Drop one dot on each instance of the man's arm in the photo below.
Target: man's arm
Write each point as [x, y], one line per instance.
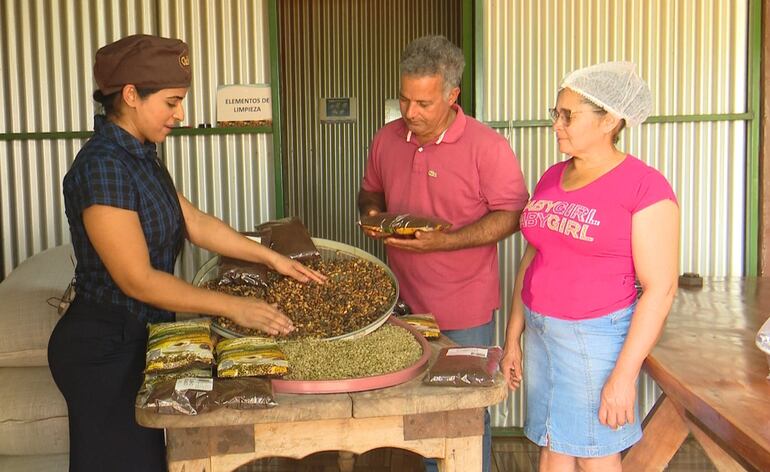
[369, 202]
[488, 229]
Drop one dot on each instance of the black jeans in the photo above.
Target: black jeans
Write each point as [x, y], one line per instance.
[96, 355]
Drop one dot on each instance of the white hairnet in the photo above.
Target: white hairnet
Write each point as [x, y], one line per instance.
[614, 86]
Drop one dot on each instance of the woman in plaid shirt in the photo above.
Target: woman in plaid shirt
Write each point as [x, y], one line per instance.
[127, 224]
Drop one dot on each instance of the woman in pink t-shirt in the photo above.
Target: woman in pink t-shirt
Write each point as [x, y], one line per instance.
[596, 223]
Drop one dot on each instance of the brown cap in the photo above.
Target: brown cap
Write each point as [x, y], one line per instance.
[143, 60]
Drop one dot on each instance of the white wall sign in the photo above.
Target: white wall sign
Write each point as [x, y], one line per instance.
[244, 105]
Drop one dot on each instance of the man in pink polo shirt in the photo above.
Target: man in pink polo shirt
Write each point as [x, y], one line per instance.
[436, 161]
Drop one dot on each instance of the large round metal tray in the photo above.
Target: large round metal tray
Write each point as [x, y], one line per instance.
[329, 250]
[362, 383]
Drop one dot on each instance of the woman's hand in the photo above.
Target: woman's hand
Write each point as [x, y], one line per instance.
[617, 403]
[511, 365]
[258, 314]
[296, 270]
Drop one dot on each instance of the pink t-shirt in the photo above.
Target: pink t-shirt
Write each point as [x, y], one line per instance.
[583, 267]
[469, 172]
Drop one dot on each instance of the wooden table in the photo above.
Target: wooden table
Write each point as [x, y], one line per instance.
[713, 377]
[441, 422]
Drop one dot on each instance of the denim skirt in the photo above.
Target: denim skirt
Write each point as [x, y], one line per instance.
[566, 364]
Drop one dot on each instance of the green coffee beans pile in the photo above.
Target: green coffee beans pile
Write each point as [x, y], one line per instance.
[388, 349]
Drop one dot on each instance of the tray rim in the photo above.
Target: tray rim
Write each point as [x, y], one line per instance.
[361, 384]
[321, 243]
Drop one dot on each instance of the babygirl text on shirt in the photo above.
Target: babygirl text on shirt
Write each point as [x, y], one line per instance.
[569, 219]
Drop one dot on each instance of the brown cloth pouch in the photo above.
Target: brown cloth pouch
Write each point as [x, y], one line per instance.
[465, 366]
[288, 236]
[402, 225]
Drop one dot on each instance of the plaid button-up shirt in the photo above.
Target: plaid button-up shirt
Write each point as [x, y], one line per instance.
[113, 168]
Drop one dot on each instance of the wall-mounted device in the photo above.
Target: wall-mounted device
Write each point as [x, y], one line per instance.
[335, 110]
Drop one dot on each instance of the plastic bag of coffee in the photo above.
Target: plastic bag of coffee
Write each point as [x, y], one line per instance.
[288, 236]
[250, 356]
[179, 345]
[425, 323]
[182, 396]
[465, 366]
[402, 225]
[243, 393]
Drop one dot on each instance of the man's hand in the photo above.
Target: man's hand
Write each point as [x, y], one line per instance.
[374, 234]
[424, 241]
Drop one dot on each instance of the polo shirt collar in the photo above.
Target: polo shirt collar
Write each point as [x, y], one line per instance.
[453, 132]
[124, 139]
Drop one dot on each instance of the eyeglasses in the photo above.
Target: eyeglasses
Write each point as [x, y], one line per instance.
[565, 114]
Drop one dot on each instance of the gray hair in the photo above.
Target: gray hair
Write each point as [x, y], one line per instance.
[434, 55]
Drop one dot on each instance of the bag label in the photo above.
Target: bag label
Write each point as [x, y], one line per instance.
[191, 383]
[467, 351]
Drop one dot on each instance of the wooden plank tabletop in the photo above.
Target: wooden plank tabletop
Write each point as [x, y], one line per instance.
[409, 398]
[707, 362]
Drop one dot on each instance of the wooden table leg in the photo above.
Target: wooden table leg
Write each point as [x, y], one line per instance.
[187, 450]
[346, 461]
[664, 432]
[462, 455]
[719, 457]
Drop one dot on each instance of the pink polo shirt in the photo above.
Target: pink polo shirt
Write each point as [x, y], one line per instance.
[584, 267]
[467, 173]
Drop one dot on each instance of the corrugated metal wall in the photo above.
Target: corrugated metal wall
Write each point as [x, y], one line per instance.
[47, 54]
[693, 53]
[228, 176]
[47, 58]
[343, 48]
